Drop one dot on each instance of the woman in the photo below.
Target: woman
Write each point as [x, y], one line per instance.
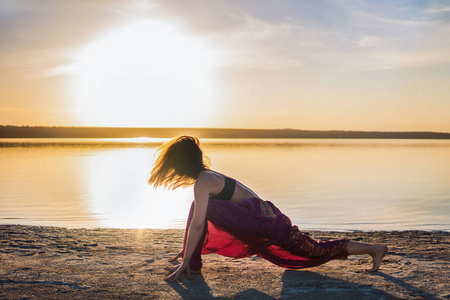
[230, 219]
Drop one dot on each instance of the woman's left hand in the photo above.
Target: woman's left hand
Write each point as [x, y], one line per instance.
[183, 268]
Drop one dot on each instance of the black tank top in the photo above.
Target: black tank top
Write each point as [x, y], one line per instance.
[228, 189]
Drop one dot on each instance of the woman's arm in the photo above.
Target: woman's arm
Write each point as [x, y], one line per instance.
[201, 196]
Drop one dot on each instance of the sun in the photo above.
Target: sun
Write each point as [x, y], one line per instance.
[146, 74]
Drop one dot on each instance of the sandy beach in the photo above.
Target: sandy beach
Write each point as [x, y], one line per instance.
[56, 263]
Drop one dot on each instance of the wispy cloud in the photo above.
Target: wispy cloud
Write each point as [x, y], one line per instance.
[344, 35]
[439, 10]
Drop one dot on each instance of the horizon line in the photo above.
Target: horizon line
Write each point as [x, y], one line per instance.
[227, 128]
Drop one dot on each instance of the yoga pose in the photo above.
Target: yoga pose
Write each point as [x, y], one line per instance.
[228, 218]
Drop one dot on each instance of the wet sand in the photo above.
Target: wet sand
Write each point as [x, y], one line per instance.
[61, 263]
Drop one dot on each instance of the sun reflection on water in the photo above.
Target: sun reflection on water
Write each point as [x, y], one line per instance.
[114, 182]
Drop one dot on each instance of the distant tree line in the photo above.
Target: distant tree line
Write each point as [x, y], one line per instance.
[113, 132]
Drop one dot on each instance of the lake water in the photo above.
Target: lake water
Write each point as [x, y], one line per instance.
[320, 184]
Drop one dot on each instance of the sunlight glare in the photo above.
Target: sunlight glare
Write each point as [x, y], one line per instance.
[150, 73]
[120, 196]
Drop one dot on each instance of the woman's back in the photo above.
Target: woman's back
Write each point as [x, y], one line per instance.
[217, 183]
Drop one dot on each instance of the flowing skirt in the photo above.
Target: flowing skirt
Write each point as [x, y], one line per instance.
[258, 227]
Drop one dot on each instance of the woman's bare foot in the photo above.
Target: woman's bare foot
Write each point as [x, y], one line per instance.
[376, 251]
[172, 269]
[377, 256]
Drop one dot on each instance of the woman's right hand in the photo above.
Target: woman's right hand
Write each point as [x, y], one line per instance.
[175, 258]
[182, 268]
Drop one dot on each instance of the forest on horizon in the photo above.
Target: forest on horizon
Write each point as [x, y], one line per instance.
[8, 131]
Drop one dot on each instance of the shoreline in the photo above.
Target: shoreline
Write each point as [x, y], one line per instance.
[104, 263]
[303, 229]
[340, 231]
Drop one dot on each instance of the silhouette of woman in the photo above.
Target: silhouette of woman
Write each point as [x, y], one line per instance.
[228, 218]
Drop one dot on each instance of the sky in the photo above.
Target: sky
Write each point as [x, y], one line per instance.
[316, 65]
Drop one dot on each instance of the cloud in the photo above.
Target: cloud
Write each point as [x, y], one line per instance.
[439, 10]
[341, 35]
[369, 41]
[38, 38]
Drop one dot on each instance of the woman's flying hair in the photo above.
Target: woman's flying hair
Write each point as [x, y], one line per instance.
[179, 163]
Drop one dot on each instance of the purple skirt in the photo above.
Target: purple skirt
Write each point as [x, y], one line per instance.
[258, 227]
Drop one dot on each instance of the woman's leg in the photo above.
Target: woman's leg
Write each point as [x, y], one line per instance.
[376, 251]
[303, 245]
[300, 244]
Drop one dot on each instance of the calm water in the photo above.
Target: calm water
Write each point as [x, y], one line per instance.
[319, 184]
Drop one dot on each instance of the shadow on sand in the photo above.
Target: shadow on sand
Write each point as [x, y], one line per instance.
[413, 291]
[300, 285]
